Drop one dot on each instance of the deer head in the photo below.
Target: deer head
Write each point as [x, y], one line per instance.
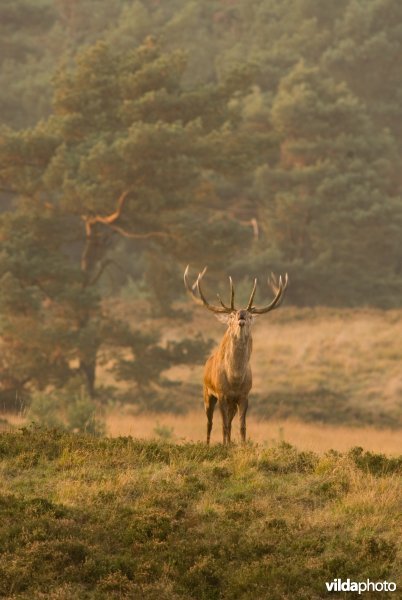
[239, 321]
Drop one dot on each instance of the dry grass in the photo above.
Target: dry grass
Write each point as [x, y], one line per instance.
[357, 353]
[305, 346]
[353, 352]
[305, 436]
[89, 518]
[317, 437]
[353, 355]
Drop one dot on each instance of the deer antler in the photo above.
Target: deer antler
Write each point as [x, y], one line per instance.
[250, 302]
[278, 287]
[200, 298]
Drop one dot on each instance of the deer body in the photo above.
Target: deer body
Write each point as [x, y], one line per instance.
[228, 381]
[227, 373]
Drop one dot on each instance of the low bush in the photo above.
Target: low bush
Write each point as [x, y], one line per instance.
[92, 518]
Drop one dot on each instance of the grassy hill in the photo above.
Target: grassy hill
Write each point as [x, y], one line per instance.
[97, 518]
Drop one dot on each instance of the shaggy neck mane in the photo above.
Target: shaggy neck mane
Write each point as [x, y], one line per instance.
[236, 351]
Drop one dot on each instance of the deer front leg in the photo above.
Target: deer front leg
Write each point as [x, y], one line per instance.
[209, 404]
[228, 411]
[243, 405]
[223, 406]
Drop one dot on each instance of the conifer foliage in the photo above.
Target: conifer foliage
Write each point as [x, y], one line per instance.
[250, 135]
[126, 153]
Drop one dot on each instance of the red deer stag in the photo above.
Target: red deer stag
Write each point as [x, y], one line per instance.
[227, 373]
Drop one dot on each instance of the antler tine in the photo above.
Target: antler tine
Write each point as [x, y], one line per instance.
[200, 298]
[191, 288]
[216, 309]
[278, 287]
[200, 276]
[221, 302]
[250, 302]
[188, 287]
[285, 284]
[232, 294]
[273, 282]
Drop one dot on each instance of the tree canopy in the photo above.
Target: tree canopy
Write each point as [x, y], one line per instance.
[127, 153]
[139, 136]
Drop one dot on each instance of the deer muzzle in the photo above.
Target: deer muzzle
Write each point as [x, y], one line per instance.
[241, 318]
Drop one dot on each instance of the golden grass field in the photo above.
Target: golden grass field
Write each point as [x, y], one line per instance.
[317, 437]
[305, 436]
[354, 353]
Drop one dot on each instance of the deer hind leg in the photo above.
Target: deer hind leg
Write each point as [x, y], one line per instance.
[228, 411]
[209, 404]
[243, 405]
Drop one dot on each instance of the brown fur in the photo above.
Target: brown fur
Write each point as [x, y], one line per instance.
[227, 377]
[227, 374]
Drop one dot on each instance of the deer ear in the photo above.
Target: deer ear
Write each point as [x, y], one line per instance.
[223, 317]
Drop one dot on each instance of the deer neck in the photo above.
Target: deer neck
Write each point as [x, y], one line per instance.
[237, 355]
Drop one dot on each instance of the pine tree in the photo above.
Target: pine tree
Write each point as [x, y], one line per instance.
[365, 52]
[331, 210]
[127, 154]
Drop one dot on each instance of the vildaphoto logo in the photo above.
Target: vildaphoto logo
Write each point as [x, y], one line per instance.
[337, 585]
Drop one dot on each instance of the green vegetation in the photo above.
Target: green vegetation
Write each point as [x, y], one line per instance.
[125, 150]
[137, 136]
[70, 409]
[84, 517]
[250, 135]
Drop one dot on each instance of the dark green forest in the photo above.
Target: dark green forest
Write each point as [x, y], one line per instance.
[137, 137]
